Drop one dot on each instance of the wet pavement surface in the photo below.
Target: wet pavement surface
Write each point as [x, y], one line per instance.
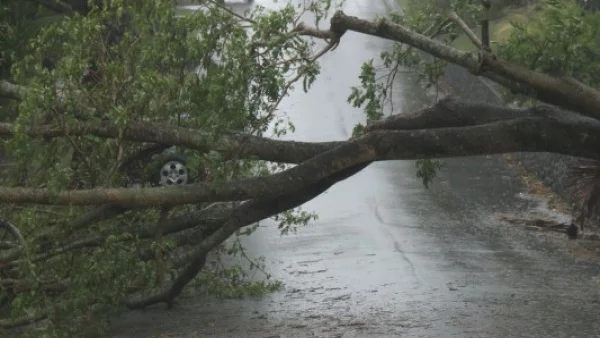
[389, 258]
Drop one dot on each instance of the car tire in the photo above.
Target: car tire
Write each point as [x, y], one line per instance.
[172, 171]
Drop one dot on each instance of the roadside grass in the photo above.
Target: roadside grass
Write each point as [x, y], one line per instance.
[536, 187]
[500, 28]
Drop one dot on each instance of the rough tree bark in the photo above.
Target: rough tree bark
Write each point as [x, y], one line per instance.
[448, 129]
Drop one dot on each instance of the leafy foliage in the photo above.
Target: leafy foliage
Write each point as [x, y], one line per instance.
[427, 170]
[428, 17]
[562, 40]
[370, 96]
[225, 278]
[16, 25]
[127, 61]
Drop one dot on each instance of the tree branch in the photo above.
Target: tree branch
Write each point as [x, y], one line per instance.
[470, 34]
[11, 90]
[203, 223]
[55, 6]
[68, 6]
[535, 132]
[450, 112]
[311, 171]
[248, 213]
[26, 320]
[232, 145]
[20, 286]
[96, 215]
[561, 92]
[14, 231]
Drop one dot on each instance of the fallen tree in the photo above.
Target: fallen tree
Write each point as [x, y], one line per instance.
[132, 237]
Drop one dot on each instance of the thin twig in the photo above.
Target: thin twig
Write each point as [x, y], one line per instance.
[427, 32]
[10, 90]
[13, 230]
[22, 321]
[229, 11]
[330, 46]
[470, 34]
[160, 259]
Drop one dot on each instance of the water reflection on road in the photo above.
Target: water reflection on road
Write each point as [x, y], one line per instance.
[388, 258]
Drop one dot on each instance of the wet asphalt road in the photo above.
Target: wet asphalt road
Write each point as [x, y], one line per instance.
[389, 258]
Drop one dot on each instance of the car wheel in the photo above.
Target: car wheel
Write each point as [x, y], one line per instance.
[173, 171]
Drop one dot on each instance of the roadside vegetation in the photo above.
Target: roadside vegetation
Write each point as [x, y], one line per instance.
[503, 22]
[99, 98]
[554, 37]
